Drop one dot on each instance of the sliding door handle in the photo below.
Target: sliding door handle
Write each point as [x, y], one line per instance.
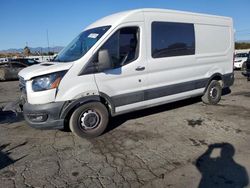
[140, 68]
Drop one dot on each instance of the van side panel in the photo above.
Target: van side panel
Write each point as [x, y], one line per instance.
[213, 55]
[215, 46]
[212, 39]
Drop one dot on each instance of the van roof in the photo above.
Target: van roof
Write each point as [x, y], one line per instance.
[137, 15]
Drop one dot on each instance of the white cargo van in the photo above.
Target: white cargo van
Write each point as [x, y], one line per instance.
[129, 61]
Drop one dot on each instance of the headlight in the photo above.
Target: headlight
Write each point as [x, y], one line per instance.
[46, 82]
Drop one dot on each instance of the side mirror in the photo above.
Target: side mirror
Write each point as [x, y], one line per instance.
[104, 60]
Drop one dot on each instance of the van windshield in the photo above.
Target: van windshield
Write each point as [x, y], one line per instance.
[241, 55]
[81, 44]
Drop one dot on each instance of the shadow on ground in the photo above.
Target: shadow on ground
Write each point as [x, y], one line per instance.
[119, 120]
[5, 159]
[10, 117]
[226, 91]
[221, 171]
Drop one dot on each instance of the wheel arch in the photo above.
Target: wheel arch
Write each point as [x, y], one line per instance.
[70, 106]
[215, 76]
[107, 101]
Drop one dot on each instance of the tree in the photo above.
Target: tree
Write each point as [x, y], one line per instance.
[51, 53]
[242, 45]
[26, 51]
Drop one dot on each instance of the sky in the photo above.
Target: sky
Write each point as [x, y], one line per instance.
[27, 21]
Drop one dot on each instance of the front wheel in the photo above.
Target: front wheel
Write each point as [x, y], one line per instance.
[213, 93]
[89, 120]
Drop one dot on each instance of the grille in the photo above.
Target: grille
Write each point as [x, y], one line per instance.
[22, 84]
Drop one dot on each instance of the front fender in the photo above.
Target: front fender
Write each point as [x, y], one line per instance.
[71, 105]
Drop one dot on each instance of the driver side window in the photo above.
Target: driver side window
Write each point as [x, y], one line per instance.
[120, 49]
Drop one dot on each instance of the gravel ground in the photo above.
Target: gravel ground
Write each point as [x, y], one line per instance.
[182, 144]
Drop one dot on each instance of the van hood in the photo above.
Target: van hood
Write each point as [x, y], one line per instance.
[42, 69]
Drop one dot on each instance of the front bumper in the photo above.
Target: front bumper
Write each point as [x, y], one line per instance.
[44, 116]
[237, 65]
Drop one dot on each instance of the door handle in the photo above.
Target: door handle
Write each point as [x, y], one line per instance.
[140, 68]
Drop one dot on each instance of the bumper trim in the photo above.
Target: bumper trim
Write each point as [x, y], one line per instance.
[53, 111]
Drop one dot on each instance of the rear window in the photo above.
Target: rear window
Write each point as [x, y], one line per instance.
[172, 39]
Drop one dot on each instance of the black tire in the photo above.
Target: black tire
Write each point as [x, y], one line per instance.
[244, 67]
[248, 78]
[213, 93]
[89, 120]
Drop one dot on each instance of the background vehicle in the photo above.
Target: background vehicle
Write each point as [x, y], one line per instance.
[10, 70]
[26, 61]
[239, 60]
[246, 68]
[4, 60]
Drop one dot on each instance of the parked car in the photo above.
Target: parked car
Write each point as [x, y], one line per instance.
[246, 68]
[239, 60]
[129, 61]
[26, 61]
[4, 60]
[10, 70]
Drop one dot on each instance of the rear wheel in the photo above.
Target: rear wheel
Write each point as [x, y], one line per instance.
[244, 67]
[213, 93]
[89, 120]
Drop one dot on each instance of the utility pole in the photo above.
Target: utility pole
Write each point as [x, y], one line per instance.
[48, 40]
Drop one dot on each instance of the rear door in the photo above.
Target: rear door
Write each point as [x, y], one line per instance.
[125, 78]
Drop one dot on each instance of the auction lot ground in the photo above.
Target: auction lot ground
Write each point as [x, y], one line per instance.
[166, 146]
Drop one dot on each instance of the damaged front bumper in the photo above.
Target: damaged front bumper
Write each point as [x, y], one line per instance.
[16, 106]
[44, 116]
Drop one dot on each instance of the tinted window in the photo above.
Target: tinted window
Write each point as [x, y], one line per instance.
[172, 39]
[242, 55]
[18, 65]
[31, 61]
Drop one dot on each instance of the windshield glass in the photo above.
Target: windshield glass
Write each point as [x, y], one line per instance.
[241, 55]
[81, 44]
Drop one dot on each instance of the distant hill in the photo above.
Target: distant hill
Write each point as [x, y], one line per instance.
[243, 41]
[55, 49]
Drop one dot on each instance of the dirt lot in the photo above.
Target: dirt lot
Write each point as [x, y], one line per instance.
[183, 144]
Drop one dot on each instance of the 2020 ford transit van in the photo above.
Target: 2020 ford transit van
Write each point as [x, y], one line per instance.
[126, 62]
